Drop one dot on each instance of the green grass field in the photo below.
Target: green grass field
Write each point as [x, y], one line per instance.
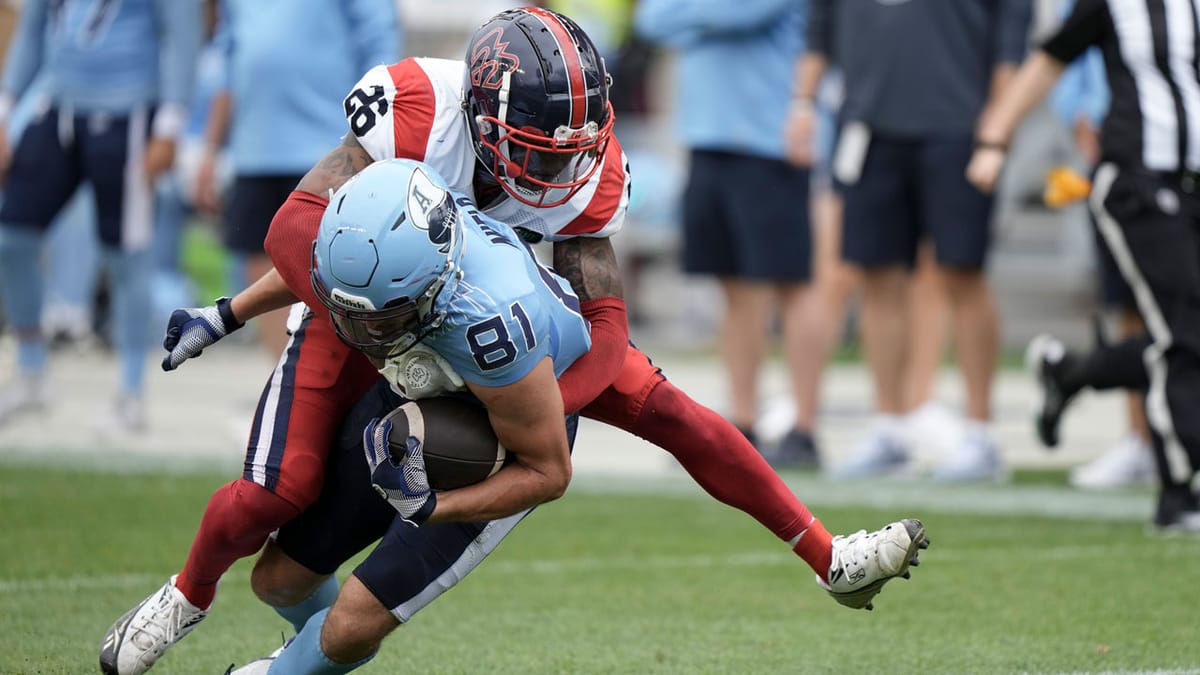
[633, 582]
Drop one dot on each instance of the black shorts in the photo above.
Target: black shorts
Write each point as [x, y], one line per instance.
[910, 190]
[1115, 292]
[411, 566]
[746, 217]
[252, 205]
[54, 156]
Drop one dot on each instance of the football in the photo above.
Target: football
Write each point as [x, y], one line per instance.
[457, 441]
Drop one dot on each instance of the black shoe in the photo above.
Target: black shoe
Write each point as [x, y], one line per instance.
[796, 450]
[1046, 358]
[1178, 510]
[749, 434]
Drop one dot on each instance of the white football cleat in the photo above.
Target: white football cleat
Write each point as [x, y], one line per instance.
[864, 561]
[147, 631]
[260, 666]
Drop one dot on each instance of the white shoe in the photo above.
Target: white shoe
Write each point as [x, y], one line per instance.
[933, 430]
[126, 416]
[25, 394]
[864, 561]
[977, 458]
[880, 452]
[1128, 462]
[260, 666]
[147, 631]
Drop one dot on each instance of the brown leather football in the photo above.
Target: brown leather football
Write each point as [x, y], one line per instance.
[457, 440]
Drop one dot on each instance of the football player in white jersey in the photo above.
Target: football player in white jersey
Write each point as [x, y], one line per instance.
[525, 127]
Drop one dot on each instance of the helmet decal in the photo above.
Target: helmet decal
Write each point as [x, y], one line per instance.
[490, 59]
[432, 209]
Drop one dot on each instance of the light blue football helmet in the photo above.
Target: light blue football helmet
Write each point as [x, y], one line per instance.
[386, 259]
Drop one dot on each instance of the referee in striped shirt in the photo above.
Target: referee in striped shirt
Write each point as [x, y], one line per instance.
[1146, 200]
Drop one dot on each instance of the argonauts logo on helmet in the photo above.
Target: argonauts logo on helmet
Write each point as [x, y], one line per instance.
[432, 210]
[490, 59]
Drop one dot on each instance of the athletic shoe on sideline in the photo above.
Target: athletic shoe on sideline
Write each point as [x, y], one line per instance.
[126, 416]
[1127, 463]
[977, 458]
[146, 632]
[1044, 359]
[796, 450]
[25, 394]
[932, 429]
[864, 561]
[881, 452]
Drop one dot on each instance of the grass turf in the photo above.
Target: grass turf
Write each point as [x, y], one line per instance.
[624, 583]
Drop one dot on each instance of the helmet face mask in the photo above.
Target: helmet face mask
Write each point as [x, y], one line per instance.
[536, 101]
[387, 257]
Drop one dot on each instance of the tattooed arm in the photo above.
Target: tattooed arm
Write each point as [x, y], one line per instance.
[339, 166]
[590, 264]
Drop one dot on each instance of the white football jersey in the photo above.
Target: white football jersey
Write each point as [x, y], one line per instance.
[413, 109]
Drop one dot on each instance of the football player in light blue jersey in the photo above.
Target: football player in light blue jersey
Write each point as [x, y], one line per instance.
[410, 270]
[117, 76]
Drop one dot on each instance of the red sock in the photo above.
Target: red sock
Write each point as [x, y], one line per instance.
[720, 459]
[239, 517]
[816, 548]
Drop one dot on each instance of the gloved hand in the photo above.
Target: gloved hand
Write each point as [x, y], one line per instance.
[421, 373]
[402, 483]
[189, 331]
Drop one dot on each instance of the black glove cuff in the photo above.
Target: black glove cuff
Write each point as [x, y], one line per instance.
[225, 308]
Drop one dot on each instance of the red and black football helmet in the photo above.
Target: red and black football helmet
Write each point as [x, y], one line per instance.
[536, 100]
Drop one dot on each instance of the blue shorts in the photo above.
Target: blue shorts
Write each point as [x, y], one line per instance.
[58, 151]
[410, 566]
[746, 217]
[910, 190]
[252, 205]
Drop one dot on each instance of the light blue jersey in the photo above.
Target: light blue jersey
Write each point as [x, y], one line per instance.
[106, 55]
[501, 323]
[290, 63]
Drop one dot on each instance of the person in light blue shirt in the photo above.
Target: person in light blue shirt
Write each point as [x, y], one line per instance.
[288, 65]
[116, 80]
[745, 207]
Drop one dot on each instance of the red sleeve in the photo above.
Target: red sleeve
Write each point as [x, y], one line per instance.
[290, 240]
[593, 372]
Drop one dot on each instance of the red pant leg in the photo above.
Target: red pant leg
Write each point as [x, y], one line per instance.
[300, 410]
[643, 402]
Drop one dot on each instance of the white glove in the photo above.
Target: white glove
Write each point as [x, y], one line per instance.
[421, 373]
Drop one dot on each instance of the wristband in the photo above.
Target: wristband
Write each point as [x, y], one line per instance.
[990, 145]
[225, 308]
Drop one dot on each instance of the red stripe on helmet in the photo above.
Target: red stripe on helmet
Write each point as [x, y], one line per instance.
[570, 53]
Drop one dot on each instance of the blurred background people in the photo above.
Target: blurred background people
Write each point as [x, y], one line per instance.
[918, 77]
[117, 77]
[745, 208]
[288, 63]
